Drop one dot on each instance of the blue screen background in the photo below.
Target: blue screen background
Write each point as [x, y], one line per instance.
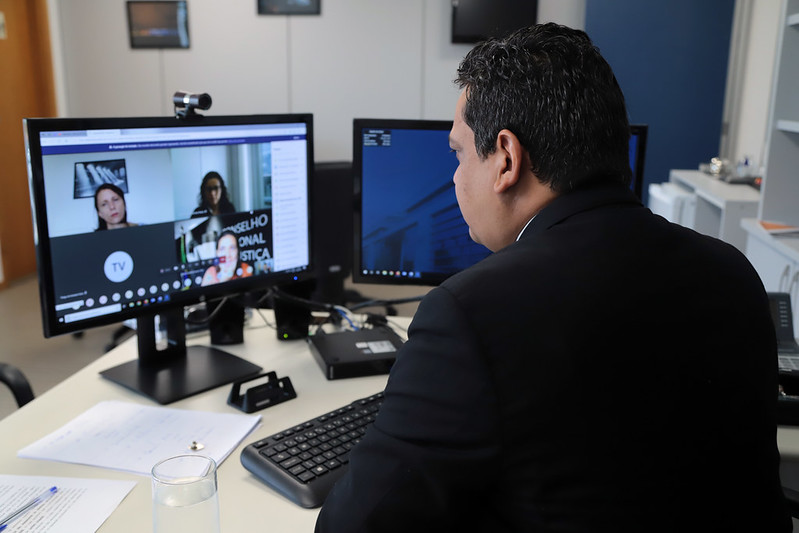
[410, 221]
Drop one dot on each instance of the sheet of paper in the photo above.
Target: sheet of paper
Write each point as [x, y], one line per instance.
[79, 506]
[132, 437]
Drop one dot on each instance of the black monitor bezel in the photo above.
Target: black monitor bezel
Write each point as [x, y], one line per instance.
[34, 126]
[358, 124]
[641, 131]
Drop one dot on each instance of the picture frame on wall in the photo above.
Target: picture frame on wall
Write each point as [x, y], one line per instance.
[289, 7]
[158, 24]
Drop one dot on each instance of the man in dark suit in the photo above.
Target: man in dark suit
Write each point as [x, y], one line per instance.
[603, 370]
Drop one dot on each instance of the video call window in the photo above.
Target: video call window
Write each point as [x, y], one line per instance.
[188, 207]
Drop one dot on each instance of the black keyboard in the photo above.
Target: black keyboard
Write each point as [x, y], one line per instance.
[303, 462]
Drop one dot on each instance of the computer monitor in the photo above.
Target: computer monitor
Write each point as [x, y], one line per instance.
[140, 217]
[638, 133]
[408, 227]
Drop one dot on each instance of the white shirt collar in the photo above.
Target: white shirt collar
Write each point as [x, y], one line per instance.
[524, 228]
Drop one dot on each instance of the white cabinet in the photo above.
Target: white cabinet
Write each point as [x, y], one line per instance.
[673, 203]
[705, 203]
[780, 198]
[777, 258]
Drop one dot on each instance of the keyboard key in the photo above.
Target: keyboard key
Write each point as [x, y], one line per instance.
[288, 463]
[306, 476]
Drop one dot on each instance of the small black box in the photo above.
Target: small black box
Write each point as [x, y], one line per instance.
[351, 354]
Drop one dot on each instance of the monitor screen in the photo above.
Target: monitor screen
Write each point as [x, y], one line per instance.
[138, 216]
[408, 226]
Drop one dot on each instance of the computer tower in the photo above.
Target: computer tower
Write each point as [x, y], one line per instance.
[332, 229]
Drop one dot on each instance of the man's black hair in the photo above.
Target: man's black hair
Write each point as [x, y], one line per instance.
[549, 85]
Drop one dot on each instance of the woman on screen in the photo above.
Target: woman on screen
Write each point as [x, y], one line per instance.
[230, 266]
[112, 211]
[213, 197]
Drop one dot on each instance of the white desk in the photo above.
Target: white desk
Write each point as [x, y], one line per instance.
[720, 206]
[246, 504]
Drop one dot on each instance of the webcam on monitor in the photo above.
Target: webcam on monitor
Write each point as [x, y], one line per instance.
[187, 103]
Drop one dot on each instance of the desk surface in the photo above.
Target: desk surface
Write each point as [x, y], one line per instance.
[714, 190]
[245, 502]
[788, 245]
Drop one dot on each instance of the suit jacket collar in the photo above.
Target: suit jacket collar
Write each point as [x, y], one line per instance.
[578, 201]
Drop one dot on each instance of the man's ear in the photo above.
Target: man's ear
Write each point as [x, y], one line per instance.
[510, 155]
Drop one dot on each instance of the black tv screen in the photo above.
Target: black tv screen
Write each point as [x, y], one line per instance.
[477, 20]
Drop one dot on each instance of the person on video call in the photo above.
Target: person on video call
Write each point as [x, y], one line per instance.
[112, 211]
[213, 197]
[230, 265]
[603, 369]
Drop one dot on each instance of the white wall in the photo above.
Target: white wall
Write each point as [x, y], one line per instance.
[359, 58]
[378, 58]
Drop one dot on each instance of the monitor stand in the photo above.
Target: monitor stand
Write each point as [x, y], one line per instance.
[177, 371]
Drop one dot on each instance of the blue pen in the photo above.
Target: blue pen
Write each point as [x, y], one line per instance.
[29, 505]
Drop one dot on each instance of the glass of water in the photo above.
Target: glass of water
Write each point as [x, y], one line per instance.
[185, 495]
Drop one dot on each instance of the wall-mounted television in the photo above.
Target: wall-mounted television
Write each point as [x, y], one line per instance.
[477, 20]
[288, 7]
[159, 24]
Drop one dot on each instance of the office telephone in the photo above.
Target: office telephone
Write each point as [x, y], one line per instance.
[783, 324]
[788, 356]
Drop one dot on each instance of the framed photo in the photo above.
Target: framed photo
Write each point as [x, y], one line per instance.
[91, 174]
[288, 7]
[158, 24]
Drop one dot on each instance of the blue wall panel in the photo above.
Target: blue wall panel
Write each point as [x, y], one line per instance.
[671, 61]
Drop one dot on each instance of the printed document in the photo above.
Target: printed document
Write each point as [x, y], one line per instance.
[79, 505]
[132, 437]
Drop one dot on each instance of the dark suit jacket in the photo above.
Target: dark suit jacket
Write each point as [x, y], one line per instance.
[610, 371]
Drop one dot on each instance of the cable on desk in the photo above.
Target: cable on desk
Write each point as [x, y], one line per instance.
[266, 320]
[344, 312]
[276, 292]
[385, 303]
[205, 321]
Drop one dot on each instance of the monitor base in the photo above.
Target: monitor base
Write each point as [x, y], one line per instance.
[201, 369]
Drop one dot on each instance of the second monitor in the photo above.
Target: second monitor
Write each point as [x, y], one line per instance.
[408, 227]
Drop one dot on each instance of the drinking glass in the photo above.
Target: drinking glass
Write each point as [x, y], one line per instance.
[185, 497]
